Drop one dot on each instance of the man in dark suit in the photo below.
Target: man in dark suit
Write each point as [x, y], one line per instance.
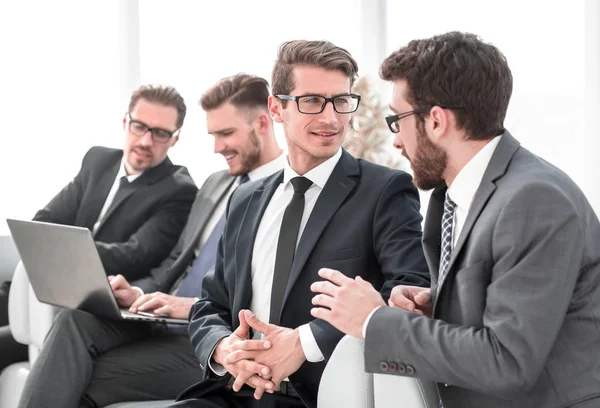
[135, 201]
[332, 210]
[97, 359]
[512, 315]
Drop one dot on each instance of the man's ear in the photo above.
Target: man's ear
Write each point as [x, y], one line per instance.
[262, 123]
[439, 122]
[275, 109]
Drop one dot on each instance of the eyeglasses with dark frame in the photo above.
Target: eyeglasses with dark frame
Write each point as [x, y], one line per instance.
[315, 104]
[159, 135]
[393, 121]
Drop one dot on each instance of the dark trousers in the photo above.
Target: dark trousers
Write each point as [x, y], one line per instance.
[10, 350]
[90, 362]
[243, 399]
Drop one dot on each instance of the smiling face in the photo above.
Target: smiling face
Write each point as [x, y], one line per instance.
[312, 139]
[427, 160]
[235, 138]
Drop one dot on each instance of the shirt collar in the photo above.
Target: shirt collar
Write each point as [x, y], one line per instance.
[268, 168]
[122, 172]
[318, 175]
[469, 178]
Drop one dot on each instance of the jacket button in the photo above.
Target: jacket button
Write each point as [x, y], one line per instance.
[401, 368]
[383, 366]
[392, 367]
[410, 370]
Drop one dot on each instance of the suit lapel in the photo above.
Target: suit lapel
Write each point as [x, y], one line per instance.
[247, 235]
[496, 168]
[148, 178]
[338, 187]
[99, 194]
[432, 232]
[207, 208]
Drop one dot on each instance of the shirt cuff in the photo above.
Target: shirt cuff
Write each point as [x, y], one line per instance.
[366, 323]
[138, 289]
[215, 367]
[311, 349]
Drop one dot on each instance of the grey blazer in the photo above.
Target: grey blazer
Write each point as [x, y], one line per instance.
[517, 317]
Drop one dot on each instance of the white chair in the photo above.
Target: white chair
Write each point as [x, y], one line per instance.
[29, 321]
[346, 384]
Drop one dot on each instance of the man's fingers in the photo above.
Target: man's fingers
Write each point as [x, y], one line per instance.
[325, 287]
[399, 298]
[258, 382]
[257, 324]
[239, 355]
[250, 345]
[254, 367]
[151, 304]
[117, 282]
[323, 300]
[334, 276]
[321, 313]
[423, 297]
[164, 310]
[258, 393]
[241, 379]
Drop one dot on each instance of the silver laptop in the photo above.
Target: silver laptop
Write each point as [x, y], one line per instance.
[65, 270]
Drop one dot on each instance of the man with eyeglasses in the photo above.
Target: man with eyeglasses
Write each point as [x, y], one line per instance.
[512, 318]
[251, 329]
[135, 201]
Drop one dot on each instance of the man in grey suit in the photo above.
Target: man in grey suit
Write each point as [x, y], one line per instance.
[512, 318]
[89, 362]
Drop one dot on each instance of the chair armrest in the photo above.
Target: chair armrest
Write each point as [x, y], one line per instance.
[392, 391]
[8, 257]
[18, 306]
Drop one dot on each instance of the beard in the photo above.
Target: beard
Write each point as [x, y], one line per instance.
[429, 162]
[250, 156]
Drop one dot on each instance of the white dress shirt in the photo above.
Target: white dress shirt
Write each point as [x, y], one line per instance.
[267, 236]
[462, 191]
[113, 191]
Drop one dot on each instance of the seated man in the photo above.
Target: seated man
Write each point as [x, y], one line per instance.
[125, 361]
[135, 201]
[325, 209]
[512, 317]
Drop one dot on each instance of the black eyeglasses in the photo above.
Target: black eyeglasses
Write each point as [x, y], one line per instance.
[315, 104]
[158, 135]
[393, 121]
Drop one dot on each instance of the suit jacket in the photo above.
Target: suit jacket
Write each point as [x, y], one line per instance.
[365, 222]
[141, 227]
[163, 277]
[517, 316]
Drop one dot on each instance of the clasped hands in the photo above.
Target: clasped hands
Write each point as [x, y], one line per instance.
[261, 364]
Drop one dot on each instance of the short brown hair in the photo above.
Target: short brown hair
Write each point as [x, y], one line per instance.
[455, 70]
[314, 53]
[242, 90]
[162, 95]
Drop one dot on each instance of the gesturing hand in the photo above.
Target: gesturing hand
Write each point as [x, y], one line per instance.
[244, 370]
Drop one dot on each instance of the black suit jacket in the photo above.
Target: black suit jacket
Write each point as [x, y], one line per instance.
[163, 277]
[366, 222]
[140, 229]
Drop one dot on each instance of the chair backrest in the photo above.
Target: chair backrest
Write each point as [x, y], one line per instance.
[9, 256]
[346, 384]
[29, 319]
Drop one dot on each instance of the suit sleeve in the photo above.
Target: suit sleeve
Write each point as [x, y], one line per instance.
[397, 246]
[63, 208]
[211, 318]
[537, 249]
[153, 241]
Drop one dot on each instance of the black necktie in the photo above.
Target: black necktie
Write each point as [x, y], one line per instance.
[286, 245]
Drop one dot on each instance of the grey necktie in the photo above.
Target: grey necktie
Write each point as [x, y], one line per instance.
[447, 227]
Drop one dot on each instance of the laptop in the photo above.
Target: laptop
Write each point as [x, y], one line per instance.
[64, 269]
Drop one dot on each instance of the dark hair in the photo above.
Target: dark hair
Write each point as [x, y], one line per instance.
[242, 90]
[314, 53]
[162, 95]
[455, 70]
